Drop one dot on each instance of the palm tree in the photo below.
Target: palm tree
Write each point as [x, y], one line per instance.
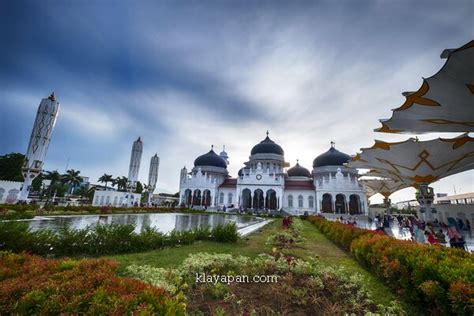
[106, 178]
[72, 178]
[121, 183]
[55, 178]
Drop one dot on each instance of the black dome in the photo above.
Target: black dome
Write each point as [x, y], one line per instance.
[210, 159]
[298, 171]
[267, 146]
[332, 157]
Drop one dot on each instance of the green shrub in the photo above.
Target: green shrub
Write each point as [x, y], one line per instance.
[440, 278]
[225, 233]
[102, 239]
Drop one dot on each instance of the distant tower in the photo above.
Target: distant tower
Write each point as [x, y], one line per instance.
[135, 158]
[183, 175]
[224, 155]
[39, 141]
[153, 175]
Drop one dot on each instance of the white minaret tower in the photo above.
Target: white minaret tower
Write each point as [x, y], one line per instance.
[134, 168]
[153, 176]
[182, 178]
[39, 141]
[224, 155]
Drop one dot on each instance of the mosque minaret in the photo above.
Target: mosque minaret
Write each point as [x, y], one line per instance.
[265, 183]
[40, 138]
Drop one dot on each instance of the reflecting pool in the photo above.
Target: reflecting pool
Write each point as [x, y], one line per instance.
[163, 222]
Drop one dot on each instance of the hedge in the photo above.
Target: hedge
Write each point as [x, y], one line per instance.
[103, 239]
[34, 285]
[437, 278]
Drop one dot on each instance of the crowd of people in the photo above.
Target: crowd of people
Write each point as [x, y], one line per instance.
[435, 232]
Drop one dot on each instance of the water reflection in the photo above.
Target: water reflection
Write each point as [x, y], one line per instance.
[163, 222]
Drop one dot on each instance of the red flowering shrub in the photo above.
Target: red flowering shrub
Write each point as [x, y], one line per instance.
[34, 285]
[104, 210]
[437, 277]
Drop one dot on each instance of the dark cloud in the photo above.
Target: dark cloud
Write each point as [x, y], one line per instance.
[167, 70]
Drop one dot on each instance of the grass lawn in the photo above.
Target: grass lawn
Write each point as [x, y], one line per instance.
[315, 244]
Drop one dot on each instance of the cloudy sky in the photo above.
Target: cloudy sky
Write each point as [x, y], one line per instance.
[187, 74]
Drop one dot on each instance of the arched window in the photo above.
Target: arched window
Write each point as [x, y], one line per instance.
[115, 200]
[311, 201]
[300, 201]
[221, 198]
[107, 200]
[229, 198]
[290, 200]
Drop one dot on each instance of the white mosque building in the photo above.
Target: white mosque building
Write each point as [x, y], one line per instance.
[265, 184]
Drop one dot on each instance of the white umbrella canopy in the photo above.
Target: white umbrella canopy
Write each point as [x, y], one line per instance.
[383, 186]
[443, 103]
[417, 162]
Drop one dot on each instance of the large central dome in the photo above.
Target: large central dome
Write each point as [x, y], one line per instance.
[267, 146]
[210, 159]
[332, 157]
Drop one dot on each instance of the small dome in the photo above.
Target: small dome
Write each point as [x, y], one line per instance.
[332, 157]
[298, 171]
[241, 172]
[210, 159]
[267, 146]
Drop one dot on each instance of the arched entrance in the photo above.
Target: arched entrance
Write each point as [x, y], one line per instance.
[340, 204]
[206, 198]
[246, 199]
[187, 199]
[354, 204]
[258, 201]
[326, 205]
[271, 200]
[197, 197]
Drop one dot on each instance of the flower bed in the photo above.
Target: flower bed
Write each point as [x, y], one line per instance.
[438, 278]
[299, 287]
[103, 239]
[34, 285]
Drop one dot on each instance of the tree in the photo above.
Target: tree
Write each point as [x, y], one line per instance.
[106, 178]
[10, 167]
[121, 183]
[72, 178]
[37, 183]
[55, 179]
[139, 188]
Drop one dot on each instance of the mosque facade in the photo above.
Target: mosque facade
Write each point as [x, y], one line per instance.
[266, 183]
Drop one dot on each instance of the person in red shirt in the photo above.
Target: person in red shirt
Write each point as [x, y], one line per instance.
[431, 238]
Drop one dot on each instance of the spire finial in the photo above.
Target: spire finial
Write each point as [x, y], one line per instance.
[267, 133]
[52, 97]
[223, 147]
[297, 161]
[212, 147]
[333, 144]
